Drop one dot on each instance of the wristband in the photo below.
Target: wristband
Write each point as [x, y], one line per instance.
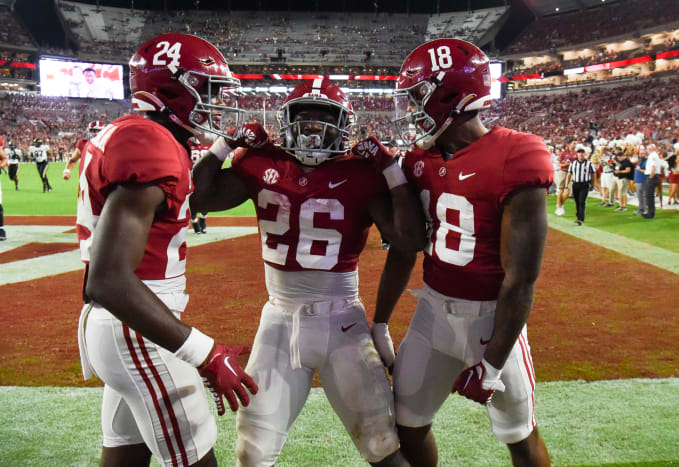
[394, 176]
[67, 171]
[492, 373]
[220, 149]
[195, 348]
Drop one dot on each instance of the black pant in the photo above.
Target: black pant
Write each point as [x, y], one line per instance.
[580, 192]
[650, 186]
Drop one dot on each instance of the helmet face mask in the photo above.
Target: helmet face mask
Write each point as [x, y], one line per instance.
[184, 76]
[315, 122]
[211, 113]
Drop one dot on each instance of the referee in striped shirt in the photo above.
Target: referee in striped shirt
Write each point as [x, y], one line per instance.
[580, 171]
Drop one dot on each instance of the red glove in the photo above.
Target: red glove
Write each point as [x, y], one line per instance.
[479, 382]
[223, 376]
[251, 135]
[373, 150]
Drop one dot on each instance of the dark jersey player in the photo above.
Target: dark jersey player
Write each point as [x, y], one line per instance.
[483, 193]
[133, 215]
[316, 199]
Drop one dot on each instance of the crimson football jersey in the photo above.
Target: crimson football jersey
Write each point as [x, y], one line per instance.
[133, 149]
[462, 200]
[81, 145]
[317, 220]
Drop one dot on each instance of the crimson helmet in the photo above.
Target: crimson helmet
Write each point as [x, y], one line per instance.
[185, 76]
[94, 127]
[439, 80]
[316, 148]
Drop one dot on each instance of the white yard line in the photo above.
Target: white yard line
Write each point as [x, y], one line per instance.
[58, 263]
[641, 251]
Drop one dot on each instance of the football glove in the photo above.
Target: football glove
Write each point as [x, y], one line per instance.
[371, 149]
[479, 382]
[223, 377]
[251, 135]
[383, 344]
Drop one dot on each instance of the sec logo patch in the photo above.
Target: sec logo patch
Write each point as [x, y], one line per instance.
[271, 176]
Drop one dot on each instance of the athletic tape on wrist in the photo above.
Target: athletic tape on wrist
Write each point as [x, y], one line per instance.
[394, 176]
[220, 149]
[492, 373]
[195, 348]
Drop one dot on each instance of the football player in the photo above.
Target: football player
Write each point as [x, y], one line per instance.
[14, 154]
[3, 163]
[316, 198]
[133, 215]
[483, 193]
[92, 129]
[198, 151]
[40, 153]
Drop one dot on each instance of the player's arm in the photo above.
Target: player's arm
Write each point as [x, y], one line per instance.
[216, 189]
[72, 161]
[397, 268]
[117, 250]
[522, 241]
[401, 219]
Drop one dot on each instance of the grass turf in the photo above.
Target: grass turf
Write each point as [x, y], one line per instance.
[660, 232]
[620, 422]
[62, 200]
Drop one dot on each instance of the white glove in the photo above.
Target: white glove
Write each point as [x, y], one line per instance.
[383, 343]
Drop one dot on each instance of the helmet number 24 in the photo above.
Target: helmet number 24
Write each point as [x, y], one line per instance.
[172, 52]
[440, 58]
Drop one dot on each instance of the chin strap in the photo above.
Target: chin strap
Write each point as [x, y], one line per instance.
[428, 141]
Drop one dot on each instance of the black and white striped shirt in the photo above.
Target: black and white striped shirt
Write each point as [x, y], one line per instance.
[581, 171]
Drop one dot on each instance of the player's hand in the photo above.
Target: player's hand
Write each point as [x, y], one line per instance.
[371, 149]
[251, 135]
[67, 174]
[383, 344]
[223, 376]
[479, 382]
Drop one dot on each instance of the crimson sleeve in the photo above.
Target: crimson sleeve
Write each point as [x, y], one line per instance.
[528, 164]
[143, 154]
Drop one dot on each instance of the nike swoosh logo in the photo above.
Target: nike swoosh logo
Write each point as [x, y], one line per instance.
[228, 365]
[335, 185]
[346, 328]
[484, 342]
[461, 176]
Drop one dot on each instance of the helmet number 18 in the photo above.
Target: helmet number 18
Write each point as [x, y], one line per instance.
[440, 58]
[172, 52]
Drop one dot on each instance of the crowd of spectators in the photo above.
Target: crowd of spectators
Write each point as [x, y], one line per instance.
[602, 22]
[58, 121]
[12, 31]
[649, 107]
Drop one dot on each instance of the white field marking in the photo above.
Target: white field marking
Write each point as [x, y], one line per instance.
[641, 251]
[58, 263]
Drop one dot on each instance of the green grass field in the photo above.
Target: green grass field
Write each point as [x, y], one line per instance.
[606, 423]
[611, 423]
[61, 201]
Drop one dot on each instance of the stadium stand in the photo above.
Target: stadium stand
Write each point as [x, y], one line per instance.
[626, 18]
